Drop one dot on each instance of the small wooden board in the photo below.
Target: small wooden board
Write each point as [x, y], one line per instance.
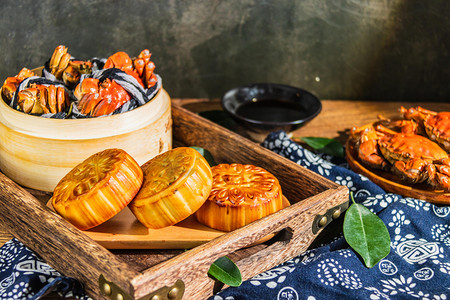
[391, 183]
[123, 231]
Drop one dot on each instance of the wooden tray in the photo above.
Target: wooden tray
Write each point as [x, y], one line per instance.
[391, 183]
[124, 231]
[136, 274]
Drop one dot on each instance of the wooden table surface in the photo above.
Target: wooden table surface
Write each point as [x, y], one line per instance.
[336, 117]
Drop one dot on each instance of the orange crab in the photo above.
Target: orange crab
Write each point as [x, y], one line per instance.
[64, 68]
[435, 124]
[12, 83]
[414, 158]
[39, 99]
[140, 68]
[100, 98]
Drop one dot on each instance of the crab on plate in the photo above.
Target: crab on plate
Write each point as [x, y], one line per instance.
[435, 124]
[413, 157]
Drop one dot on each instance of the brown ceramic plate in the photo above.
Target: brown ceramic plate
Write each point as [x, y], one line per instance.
[391, 183]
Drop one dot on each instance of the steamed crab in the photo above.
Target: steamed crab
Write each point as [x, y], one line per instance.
[414, 158]
[141, 68]
[436, 125]
[39, 99]
[12, 83]
[97, 98]
[65, 68]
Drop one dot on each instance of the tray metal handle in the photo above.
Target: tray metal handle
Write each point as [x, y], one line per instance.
[320, 221]
[110, 290]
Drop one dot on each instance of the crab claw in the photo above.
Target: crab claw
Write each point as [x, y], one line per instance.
[412, 171]
[72, 73]
[27, 101]
[104, 99]
[145, 67]
[141, 62]
[11, 83]
[149, 77]
[139, 65]
[440, 176]
[87, 86]
[368, 151]
[71, 76]
[25, 73]
[88, 103]
[113, 96]
[119, 60]
[10, 87]
[145, 54]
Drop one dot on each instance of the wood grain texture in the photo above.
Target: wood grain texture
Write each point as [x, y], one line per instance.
[140, 272]
[62, 245]
[84, 259]
[336, 117]
[124, 231]
[226, 147]
[192, 266]
[70, 141]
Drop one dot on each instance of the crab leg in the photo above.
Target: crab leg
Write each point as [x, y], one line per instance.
[57, 55]
[87, 104]
[413, 171]
[368, 150]
[87, 86]
[439, 176]
[43, 95]
[51, 98]
[61, 98]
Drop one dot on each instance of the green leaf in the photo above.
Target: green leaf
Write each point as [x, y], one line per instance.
[366, 233]
[325, 145]
[226, 271]
[206, 154]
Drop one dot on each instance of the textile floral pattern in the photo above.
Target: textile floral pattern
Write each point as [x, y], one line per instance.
[418, 266]
[23, 275]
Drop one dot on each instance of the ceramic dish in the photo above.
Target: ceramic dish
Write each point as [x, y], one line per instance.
[265, 107]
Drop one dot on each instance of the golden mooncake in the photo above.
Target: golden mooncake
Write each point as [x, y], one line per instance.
[98, 188]
[176, 183]
[240, 195]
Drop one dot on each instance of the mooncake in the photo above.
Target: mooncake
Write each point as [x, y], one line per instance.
[176, 184]
[240, 194]
[98, 188]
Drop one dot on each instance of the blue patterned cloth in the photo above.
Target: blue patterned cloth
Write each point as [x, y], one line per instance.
[24, 275]
[418, 266]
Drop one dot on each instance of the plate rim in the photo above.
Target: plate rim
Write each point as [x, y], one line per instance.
[435, 197]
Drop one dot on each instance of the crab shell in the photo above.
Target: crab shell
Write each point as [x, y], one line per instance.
[436, 125]
[11, 83]
[404, 147]
[100, 98]
[40, 99]
[141, 68]
[437, 128]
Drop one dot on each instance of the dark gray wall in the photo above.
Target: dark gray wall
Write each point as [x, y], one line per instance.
[337, 49]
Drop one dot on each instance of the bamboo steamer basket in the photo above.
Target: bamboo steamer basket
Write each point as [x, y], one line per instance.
[37, 152]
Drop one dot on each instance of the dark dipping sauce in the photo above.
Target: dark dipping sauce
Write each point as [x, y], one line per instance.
[271, 110]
